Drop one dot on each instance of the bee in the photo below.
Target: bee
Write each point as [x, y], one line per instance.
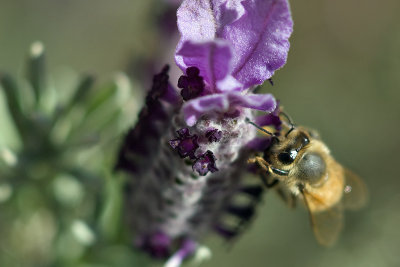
[301, 167]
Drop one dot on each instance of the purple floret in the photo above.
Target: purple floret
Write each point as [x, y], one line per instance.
[186, 144]
[205, 163]
[192, 84]
[214, 135]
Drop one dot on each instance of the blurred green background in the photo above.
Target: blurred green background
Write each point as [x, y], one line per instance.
[342, 78]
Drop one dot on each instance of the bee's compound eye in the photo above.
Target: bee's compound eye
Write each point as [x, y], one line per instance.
[311, 167]
[287, 157]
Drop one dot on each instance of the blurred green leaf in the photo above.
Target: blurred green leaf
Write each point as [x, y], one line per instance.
[14, 105]
[36, 69]
[109, 223]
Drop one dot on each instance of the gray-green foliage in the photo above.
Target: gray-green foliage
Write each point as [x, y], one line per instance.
[60, 203]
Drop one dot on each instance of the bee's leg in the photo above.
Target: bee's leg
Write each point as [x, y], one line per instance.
[266, 180]
[287, 197]
[261, 162]
[266, 170]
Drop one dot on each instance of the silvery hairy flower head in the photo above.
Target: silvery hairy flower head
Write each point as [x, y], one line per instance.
[188, 152]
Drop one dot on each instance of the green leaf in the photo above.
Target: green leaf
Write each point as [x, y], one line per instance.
[109, 223]
[36, 69]
[80, 96]
[13, 102]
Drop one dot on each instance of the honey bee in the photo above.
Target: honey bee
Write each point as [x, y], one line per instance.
[301, 167]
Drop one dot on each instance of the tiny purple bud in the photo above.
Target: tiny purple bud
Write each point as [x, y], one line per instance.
[192, 71]
[214, 135]
[160, 84]
[192, 84]
[205, 163]
[185, 144]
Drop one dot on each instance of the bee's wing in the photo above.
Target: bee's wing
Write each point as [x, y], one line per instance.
[326, 223]
[355, 192]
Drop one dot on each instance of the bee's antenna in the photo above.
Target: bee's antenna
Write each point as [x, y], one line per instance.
[290, 122]
[261, 129]
[288, 118]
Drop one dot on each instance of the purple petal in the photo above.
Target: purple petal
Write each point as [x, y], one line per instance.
[199, 20]
[198, 107]
[212, 58]
[259, 143]
[258, 31]
[271, 119]
[263, 102]
[225, 103]
[229, 84]
[263, 32]
[162, 89]
[171, 95]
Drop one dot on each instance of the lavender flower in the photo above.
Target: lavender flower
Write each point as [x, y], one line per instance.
[186, 144]
[188, 152]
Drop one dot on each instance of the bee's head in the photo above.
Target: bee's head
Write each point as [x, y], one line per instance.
[306, 164]
[293, 154]
[286, 149]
